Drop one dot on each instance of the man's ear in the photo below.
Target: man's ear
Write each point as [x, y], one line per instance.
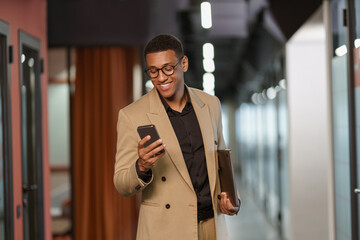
[185, 63]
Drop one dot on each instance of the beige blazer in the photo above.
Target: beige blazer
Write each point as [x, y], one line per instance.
[168, 205]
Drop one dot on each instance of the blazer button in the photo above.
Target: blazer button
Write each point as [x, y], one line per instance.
[219, 197]
[163, 179]
[167, 206]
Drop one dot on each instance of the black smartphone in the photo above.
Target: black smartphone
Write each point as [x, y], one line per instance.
[148, 130]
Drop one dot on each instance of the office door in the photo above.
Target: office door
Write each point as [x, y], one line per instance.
[32, 173]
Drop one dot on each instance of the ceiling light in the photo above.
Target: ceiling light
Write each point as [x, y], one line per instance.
[357, 43]
[209, 83]
[208, 51]
[254, 98]
[149, 85]
[261, 98]
[263, 94]
[271, 93]
[206, 21]
[282, 84]
[31, 62]
[209, 65]
[341, 51]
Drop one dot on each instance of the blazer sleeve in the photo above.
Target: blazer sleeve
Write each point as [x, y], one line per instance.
[126, 179]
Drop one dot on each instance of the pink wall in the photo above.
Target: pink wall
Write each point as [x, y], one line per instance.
[30, 17]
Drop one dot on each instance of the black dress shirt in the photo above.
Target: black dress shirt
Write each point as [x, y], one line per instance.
[188, 133]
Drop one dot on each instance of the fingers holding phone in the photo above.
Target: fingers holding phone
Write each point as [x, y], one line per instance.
[150, 147]
[154, 149]
[149, 155]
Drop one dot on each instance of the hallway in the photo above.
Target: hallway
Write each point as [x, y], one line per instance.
[250, 223]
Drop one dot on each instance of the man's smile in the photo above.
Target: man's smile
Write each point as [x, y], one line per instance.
[165, 86]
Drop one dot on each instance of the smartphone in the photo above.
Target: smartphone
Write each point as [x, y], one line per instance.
[149, 130]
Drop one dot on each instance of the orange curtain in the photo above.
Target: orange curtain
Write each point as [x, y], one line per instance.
[103, 86]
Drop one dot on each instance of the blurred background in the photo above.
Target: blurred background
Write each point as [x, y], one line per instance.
[286, 72]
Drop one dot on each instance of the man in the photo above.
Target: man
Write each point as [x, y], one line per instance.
[180, 188]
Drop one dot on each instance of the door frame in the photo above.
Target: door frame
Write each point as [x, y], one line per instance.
[350, 19]
[34, 43]
[7, 138]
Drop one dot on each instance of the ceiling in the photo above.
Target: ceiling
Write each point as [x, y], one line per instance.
[247, 34]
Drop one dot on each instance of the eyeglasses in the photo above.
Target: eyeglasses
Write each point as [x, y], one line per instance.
[168, 70]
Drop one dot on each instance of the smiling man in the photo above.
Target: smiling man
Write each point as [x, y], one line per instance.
[181, 196]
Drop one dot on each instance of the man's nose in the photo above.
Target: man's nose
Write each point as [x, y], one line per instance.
[162, 76]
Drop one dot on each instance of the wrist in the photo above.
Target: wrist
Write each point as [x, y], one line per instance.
[141, 168]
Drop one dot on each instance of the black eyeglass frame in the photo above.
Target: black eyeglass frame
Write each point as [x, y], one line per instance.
[162, 69]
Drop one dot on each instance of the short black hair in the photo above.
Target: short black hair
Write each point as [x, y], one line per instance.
[164, 42]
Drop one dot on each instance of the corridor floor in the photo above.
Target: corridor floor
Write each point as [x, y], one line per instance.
[250, 223]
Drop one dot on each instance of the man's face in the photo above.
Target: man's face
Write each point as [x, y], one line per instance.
[170, 87]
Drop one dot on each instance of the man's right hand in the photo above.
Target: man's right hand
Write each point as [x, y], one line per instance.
[149, 155]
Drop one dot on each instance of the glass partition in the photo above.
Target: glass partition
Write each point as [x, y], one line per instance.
[61, 68]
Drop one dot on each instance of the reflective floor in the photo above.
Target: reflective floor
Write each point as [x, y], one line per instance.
[250, 223]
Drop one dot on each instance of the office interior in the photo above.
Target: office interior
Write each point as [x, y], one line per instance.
[287, 74]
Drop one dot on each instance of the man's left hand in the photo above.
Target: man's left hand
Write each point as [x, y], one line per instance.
[226, 206]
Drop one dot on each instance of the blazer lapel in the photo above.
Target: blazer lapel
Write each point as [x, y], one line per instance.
[204, 118]
[160, 119]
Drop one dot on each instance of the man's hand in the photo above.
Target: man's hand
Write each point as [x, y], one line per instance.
[149, 155]
[226, 206]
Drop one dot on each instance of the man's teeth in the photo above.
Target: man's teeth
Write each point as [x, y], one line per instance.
[165, 85]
